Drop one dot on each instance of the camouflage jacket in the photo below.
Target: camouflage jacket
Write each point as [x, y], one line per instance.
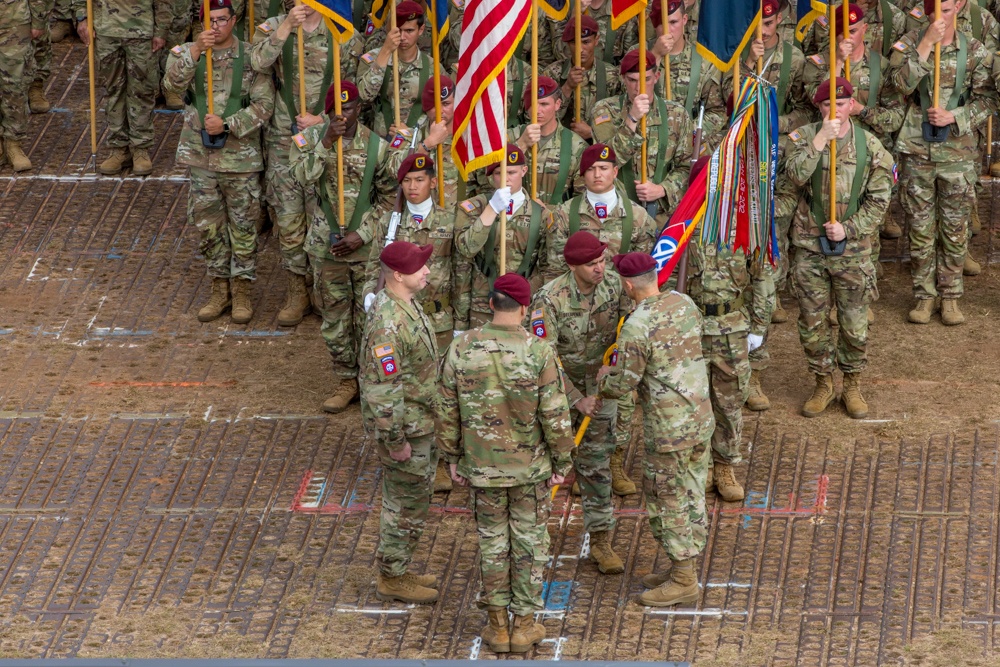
[580, 327]
[668, 165]
[720, 276]
[242, 152]
[125, 19]
[709, 93]
[504, 418]
[590, 92]
[876, 191]
[659, 353]
[550, 148]
[973, 20]
[612, 45]
[798, 107]
[977, 102]
[399, 372]
[883, 29]
[371, 78]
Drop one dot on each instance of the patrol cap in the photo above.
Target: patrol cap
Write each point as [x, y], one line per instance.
[348, 92]
[630, 63]
[415, 162]
[547, 87]
[515, 158]
[515, 286]
[408, 11]
[582, 248]
[854, 15]
[633, 264]
[844, 89]
[405, 257]
[656, 10]
[213, 5]
[597, 153]
[427, 96]
[769, 8]
[588, 27]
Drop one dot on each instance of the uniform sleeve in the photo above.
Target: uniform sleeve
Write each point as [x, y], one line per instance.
[906, 69]
[553, 414]
[308, 162]
[377, 228]
[983, 98]
[878, 192]
[606, 123]
[803, 158]
[550, 321]
[716, 123]
[386, 184]
[162, 18]
[256, 115]
[471, 240]
[643, 231]
[675, 180]
[558, 232]
[630, 367]
[461, 277]
[447, 428]
[541, 265]
[800, 107]
[40, 11]
[266, 47]
[370, 77]
[886, 117]
[385, 392]
[180, 70]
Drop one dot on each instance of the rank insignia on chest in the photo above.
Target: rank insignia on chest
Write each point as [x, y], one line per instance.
[397, 141]
[300, 140]
[601, 209]
[538, 328]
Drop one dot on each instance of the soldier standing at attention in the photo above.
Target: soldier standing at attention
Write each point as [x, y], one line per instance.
[16, 26]
[224, 201]
[399, 397]
[504, 429]
[659, 353]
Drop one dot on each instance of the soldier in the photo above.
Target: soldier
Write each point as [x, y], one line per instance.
[274, 54]
[431, 134]
[175, 32]
[972, 19]
[940, 171]
[504, 429]
[659, 354]
[578, 313]
[16, 26]
[338, 263]
[399, 386]
[887, 22]
[41, 65]
[833, 259]
[130, 34]
[224, 201]
[613, 44]
[527, 225]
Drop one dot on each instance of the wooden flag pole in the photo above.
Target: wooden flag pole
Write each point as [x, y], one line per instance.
[989, 144]
[833, 114]
[436, 55]
[338, 110]
[642, 91]
[937, 59]
[760, 36]
[91, 68]
[534, 96]
[206, 7]
[664, 12]
[250, 20]
[302, 67]
[577, 55]
[503, 213]
[395, 69]
[847, 33]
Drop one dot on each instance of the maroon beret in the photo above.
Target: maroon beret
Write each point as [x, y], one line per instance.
[630, 63]
[844, 90]
[348, 92]
[656, 10]
[405, 257]
[408, 11]
[515, 158]
[596, 153]
[547, 87]
[415, 162]
[854, 15]
[633, 264]
[929, 9]
[588, 27]
[427, 97]
[213, 5]
[515, 286]
[583, 247]
[769, 8]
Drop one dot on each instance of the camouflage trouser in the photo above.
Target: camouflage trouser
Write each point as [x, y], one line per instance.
[729, 386]
[513, 545]
[937, 198]
[626, 412]
[128, 73]
[674, 484]
[850, 282]
[339, 297]
[287, 197]
[592, 463]
[225, 209]
[177, 31]
[15, 52]
[782, 226]
[41, 66]
[406, 497]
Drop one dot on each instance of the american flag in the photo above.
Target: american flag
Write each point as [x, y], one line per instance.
[491, 30]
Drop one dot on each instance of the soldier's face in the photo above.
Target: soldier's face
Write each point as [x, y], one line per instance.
[843, 109]
[587, 46]
[590, 274]
[515, 177]
[856, 33]
[600, 177]
[769, 26]
[417, 186]
[548, 107]
[948, 11]
[448, 109]
[350, 111]
[676, 23]
[632, 82]
[414, 282]
[222, 22]
[409, 33]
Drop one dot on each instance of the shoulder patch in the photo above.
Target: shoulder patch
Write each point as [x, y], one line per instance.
[794, 135]
[368, 58]
[538, 323]
[823, 21]
[370, 28]
[265, 27]
[460, 4]
[899, 46]
[383, 350]
[603, 118]
[177, 50]
[386, 358]
[300, 140]
[917, 12]
[468, 206]
[397, 141]
[817, 60]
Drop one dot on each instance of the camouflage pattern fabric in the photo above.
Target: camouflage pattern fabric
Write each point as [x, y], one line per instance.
[15, 50]
[128, 19]
[549, 149]
[289, 200]
[129, 71]
[916, 19]
[729, 384]
[626, 37]
[674, 485]
[406, 498]
[370, 78]
[225, 207]
[817, 38]
[709, 93]
[559, 72]
[177, 31]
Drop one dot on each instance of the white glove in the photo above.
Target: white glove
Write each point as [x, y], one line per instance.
[501, 200]
[369, 300]
[456, 333]
[754, 341]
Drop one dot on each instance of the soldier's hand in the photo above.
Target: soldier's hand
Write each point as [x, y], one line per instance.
[500, 200]
[640, 106]
[214, 124]
[455, 477]
[307, 120]
[829, 132]
[158, 43]
[436, 135]
[835, 231]
[844, 50]
[754, 341]
[401, 129]
[556, 480]
[531, 136]
[392, 40]
[939, 117]
[203, 42]
[36, 33]
[647, 192]
[663, 45]
[406, 452]
[347, 244]
[584, 130]
[336, 128]
[296, 17]
[83, 31]
[935, 32]
[588, 405]
[604, 370]
[577, 77]
[756, 50]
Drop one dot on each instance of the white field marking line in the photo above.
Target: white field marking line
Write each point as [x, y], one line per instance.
[100, 302]
[355, 610]
[207, 413]
[727, 585]
[877, 421]
[83, 178]
[554, 613]
[585, 547]
[477, 644]
[31, 274]
[558, 641]
[717, 613]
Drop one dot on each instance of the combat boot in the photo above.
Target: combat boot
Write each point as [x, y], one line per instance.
[871, 316]
[425, 580]
[821, 397]
[921, 313]
[681, 588]
[780, 315]
[757, 400]
[242, 308]
[172, 101]
[854, 402]
[527, 632]
[496, 634]
[218, 303]
[141, 164]
[404, 589]
[601, 552]
[975, 226]
[18, 160]
[950, 314]
[971, 266]
[655, 579]
[60, 30]
[891, 229]
[118, 160]
[442, 479]
[621, 485]
[346, 392]
[36, 99]
[297, 303]
[725, 483]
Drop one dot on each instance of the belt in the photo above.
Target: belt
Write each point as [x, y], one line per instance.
[437, 305]
[720, 309]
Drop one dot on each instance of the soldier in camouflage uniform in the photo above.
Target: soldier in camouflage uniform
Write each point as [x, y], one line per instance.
[62, 21]
[431, 134]
[612, 45]
[176, 32]
[339, 257]
[16, 25]
[841, 271]
[129, 36]
[578, 313]
[887, 22]
[224, 201]
[40, 68]
[939, 177]
[399, 401]
[659, 354]
[504, 429]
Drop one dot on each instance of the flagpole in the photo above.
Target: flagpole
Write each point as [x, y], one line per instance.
[395, 68]
[847, 32]
[937, 58]
[250, 20]
[338, 110]
[667, 92]
[534, 96]
[206, 7]
[436, 55]
[91, 68]
[833, 115]
[760, 36]
[577, 54]
[642, 91]
[503, 213]
[302, 67]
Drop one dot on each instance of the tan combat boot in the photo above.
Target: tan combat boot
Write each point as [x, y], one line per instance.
[60, 30]
[173, 101]
[821, 397]
[118, 160]
[601, 552]
[921, 313]
[655, 579]
[141, 164]
[780, 315]
[425, 580]
[36, 99]
[682, 587]
[242, 308]
[725, 483]
[18, 160]
[757, 400]
[346, 392]
[871, 316]
[442, 479]
[854, 402]
[975, 226]
[218, 303]
[496, 634]
[527, 632]
[621, 485]
[971, 266]
[891, 229]
[950, 314]
[297, 303]
[404, 589]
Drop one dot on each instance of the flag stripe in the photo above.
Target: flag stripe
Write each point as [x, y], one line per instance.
[338, 17]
